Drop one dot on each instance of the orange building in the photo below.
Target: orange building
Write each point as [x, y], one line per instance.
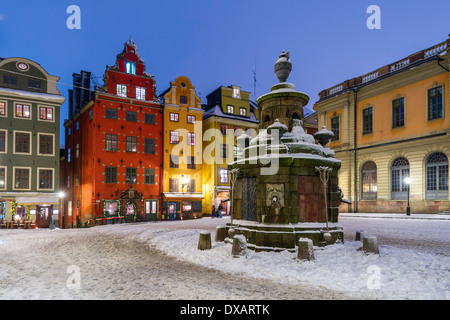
[113, 159]
[392, 134]
[182, 176]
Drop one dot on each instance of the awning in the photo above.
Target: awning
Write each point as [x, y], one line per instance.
[37, 200]
[180, 195]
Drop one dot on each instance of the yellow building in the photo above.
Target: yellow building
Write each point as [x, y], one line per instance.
[228, 113]
[392, 129]
[182, 191]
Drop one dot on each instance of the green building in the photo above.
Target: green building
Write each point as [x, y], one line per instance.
[29, 143]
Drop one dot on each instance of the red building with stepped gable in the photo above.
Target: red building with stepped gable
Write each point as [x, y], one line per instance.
[113, 145]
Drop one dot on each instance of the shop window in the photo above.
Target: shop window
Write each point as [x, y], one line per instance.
[399, 171]
[369, 181]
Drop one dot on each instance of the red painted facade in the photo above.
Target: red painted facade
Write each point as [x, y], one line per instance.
[114, 148]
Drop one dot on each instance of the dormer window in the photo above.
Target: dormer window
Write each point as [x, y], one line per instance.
[236, 92]
[122, 90]
[131, 67]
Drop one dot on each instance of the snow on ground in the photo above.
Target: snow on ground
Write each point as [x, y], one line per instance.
[115, 264]
[403, 273]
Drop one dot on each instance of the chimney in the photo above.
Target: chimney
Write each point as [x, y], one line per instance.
[76, 92]
[70, 103]
[86, 88]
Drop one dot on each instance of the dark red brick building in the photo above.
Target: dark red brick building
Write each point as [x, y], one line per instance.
[113, 145]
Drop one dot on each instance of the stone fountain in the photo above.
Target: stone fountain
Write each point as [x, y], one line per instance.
[278, 194]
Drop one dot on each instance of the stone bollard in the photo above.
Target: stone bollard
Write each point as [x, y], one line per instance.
[239, 247]
[204, 242]
[360, 235]
[221, 233]
[305, 249]
[370, 245]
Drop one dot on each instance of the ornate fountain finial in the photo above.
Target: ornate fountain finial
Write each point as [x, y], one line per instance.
[283, 66]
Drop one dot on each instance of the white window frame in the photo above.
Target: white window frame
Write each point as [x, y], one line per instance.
[140, 93]
[39, 134]
[230, 107]
[14, 178]
[122, 90]
[39, 113]
[14, 143]
[6, 109]
[23, 103]
[38, 178]
[6, 177]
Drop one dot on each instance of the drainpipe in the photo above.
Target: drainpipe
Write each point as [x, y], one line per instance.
[354, 149]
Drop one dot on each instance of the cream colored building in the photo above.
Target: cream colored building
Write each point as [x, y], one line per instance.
[390, 124]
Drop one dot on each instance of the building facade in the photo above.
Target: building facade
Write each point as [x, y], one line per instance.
[390, 124]
[182, 175]
[114, 144]
[29, 142]
[228, 113]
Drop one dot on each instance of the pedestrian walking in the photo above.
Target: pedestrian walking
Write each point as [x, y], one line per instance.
[213, 211]
[220, 210]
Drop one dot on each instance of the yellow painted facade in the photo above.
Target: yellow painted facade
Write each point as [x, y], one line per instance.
[223, 111]
[401, 128]
[183, 189]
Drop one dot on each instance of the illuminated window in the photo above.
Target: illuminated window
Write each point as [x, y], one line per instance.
[140, 93]
[131, 144]
[131, 67]
[190, 119]
[174, 137]
[23, 111]
[130, 175]
[223, 175]
[46, 113]
[174, 117]
[121, 90]
[230, 109]
[243, 112]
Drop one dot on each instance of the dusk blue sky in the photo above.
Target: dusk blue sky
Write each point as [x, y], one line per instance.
[215, 42]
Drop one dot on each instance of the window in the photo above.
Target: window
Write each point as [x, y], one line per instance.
[110, 175]
[399, 171]
[149, 176]
[69, 131]
[236, 151]
[68, 155]
[76, 179]
[130, 175]
[77, 151]
[223, 129]
[174, 161]
[121, 90]
[131, 116]
[34, 83]
[230, 109]
[9, 79]
[140, 93]
[2, 178]
[45, 113]
[174, 137]
[223, 175]
[367, 125]
[111, 142]
[190, 119]
[22, 143]
[131, 144]
[369, 181]
[3, 108]
[150, 118]
[111, 113]
[77, 126]
[191, 186]
[45, 144]
[131, 67]
[2, 141]
[191, 139]
[149, 146]
[437, 176]
[435, 103]
[23, 111]
[183, 100]
[243, 112]
[398, 113]
[236, 92]
[174, 117]
[91, 114]
[190, 162]
[173, 185]
[223, 151]
[335, 124]
[45, 179]
[21, 178]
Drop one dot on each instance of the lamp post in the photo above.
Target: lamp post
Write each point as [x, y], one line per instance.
[408, 181]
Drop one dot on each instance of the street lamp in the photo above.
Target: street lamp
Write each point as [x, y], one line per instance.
[408, 181]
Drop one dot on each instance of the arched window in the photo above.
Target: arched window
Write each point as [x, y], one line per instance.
[436, 170]
[399, 171]
[369, 181]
